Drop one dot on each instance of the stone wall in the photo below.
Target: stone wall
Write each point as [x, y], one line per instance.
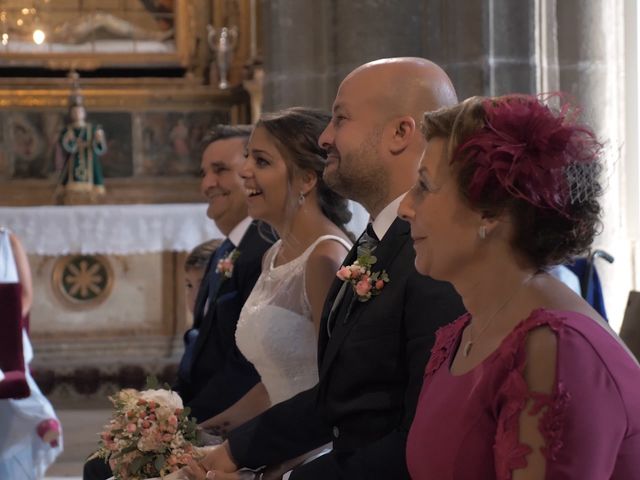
[488, 47]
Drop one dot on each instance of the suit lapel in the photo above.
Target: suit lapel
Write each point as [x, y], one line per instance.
[201, 298]
[249, 243]
[332, 298]
[351, 309]
[207, 318]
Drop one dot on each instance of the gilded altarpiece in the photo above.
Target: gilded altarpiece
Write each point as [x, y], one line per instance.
[154, 125]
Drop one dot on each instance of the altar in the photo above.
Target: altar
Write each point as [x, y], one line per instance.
[109, 306]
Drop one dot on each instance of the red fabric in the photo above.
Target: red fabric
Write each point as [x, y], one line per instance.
[14, 384]
[466, 426]
[524, 150]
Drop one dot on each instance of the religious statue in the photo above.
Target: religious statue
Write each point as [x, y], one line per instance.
[82, 143]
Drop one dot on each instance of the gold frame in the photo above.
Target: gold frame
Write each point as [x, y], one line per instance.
[120, 95]
[187, 15]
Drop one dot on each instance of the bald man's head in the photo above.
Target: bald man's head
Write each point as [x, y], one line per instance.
[404, 86]
[374, 142]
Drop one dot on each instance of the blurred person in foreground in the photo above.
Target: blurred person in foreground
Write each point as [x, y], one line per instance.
[30, 432]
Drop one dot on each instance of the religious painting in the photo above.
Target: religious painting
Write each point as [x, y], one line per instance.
[33, 138]
[171, 141]
[32, 150]
[92, 33]
[117, 161]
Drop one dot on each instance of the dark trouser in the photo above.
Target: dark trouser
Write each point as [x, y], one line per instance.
[96, 469]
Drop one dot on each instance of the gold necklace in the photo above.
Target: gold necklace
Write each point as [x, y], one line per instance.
[469, 345]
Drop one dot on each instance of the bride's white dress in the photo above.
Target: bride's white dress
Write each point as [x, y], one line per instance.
[275, 330]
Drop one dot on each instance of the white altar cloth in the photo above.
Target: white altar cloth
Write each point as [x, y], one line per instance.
[110, 229]
[121, 229]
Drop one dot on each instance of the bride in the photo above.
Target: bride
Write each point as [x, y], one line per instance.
[278, 325]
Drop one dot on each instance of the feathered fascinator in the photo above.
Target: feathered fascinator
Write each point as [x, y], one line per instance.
[528, 151]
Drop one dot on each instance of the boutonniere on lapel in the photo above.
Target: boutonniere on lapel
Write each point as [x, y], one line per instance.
[364, 282]
[225, 264]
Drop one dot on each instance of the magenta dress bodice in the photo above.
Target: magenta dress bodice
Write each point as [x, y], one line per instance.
[466, 426]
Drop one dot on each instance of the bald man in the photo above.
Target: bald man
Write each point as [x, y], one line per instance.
[372, 352]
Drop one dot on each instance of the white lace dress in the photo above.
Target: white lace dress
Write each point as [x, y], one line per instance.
[275, 330]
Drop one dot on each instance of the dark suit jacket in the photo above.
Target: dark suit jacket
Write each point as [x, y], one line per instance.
[220, 375]
[371, 370]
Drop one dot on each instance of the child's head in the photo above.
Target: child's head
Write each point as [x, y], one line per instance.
[194, 267]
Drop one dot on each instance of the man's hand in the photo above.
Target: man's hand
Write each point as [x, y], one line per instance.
[219, 459]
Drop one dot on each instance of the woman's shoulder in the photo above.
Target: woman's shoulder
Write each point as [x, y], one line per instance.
[546, 328]
[579, 343]
[563, 323]
[331, 246]
[326, 253]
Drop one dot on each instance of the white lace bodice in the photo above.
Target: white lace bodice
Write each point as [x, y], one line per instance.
[275, 331]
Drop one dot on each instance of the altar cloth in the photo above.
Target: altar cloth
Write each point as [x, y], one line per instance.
[110, 229]
[121, 229]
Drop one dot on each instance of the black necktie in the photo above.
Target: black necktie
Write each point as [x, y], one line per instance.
[367, 243]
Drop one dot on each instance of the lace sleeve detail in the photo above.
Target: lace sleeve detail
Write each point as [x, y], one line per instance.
[514, 394]
[446, 338]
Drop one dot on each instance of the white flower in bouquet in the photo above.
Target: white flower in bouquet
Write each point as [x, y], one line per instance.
[164, 398]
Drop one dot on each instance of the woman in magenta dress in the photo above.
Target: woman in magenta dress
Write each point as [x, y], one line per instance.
[531, 383]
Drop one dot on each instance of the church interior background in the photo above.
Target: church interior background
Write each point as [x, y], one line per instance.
[156, 74]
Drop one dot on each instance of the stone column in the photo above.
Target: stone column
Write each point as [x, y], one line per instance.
[590, 53]
[297, 39]
[311, 45]
[485, 46]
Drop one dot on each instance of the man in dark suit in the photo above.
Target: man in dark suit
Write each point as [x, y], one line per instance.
[214, 374]
[372, 353]
[217, 375]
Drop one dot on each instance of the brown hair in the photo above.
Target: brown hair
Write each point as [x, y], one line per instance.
[556, 214]
[296, 131]
[199, 257]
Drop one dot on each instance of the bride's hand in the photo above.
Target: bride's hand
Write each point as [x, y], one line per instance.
[196, 471]
[219, 459]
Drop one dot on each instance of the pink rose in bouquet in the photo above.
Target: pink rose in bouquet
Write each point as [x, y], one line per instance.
[149, 435]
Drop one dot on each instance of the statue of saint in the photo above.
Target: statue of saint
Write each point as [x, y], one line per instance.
[82, 144]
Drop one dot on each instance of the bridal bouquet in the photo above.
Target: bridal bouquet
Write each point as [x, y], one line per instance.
[149, 435]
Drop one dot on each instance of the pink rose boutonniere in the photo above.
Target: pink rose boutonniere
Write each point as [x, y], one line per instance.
[364, 282]
[225, 265]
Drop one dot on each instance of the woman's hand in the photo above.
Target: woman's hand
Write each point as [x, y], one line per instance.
[219, 459]
[196, 471]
